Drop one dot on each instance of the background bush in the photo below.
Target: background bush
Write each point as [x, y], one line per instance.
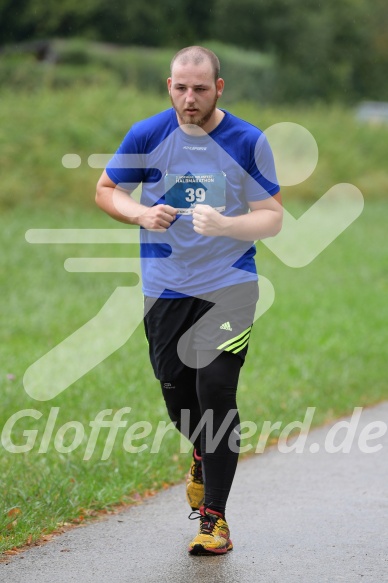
[249, 74]
[330, 51]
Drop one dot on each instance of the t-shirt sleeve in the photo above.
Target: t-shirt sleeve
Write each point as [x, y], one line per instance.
[126, 167]
[262, 181]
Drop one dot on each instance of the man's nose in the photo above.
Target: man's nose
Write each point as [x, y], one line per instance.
[190, 97]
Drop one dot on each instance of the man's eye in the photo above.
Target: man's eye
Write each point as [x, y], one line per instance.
[200, 88]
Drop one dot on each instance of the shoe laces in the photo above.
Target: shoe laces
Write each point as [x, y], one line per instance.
[207, 520]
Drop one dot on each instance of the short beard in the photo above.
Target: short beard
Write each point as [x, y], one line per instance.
[203, 120]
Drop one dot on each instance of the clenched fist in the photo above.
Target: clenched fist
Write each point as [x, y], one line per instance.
[157, 218]
[209, 222]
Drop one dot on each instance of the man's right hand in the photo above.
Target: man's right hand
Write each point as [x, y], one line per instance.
[157, 218]
[119, 204]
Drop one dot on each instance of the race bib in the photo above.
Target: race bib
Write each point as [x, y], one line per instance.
[185, 191]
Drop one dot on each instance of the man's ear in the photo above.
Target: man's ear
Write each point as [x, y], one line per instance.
[169, 85]
[220, 84]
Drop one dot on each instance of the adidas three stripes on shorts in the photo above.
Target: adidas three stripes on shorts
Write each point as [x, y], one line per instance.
[176, 329]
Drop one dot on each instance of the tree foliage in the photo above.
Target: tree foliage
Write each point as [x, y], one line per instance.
[324, 49]
[321, 49]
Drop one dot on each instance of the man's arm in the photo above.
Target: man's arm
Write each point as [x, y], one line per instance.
[264, 220]
[119, 204]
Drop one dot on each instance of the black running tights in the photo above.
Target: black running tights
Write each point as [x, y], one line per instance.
[208, 395]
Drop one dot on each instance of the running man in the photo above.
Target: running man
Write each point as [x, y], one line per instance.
[209, 190]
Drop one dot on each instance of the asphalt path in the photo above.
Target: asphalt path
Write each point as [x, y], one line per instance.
[310, 517]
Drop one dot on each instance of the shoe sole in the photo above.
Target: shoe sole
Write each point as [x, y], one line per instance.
[200, 550]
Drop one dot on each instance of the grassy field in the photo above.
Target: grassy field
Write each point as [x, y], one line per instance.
[322, 343]
[38, 128]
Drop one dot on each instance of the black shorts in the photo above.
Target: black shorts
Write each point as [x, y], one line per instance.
[176, 329]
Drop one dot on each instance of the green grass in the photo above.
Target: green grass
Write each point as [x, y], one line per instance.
[38, 128]
[322, 343]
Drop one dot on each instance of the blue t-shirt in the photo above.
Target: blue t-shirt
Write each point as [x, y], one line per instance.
[227, 168]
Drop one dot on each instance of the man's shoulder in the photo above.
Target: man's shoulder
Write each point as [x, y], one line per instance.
[239, 137]
[148, 133]
[154, 123]
[240, 125]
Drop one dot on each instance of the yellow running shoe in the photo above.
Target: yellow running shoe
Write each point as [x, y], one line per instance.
[213, 537]
[195, 490]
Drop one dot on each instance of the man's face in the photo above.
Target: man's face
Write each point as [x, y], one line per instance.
[194, 93]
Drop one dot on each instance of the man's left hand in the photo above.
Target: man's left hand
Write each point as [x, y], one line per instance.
[209, 222]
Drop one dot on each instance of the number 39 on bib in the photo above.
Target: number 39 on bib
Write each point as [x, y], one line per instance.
[185, 191]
